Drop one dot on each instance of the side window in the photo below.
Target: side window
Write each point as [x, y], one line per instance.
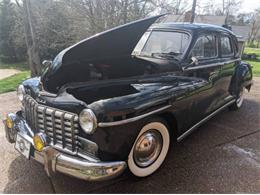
[226, 48]
[205, 47]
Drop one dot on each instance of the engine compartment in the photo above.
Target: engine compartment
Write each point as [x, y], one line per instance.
[134, 88]
[92, 94]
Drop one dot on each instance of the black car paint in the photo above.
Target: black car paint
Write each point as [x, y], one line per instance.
[194, 93]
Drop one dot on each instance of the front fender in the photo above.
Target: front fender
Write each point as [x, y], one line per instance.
[242, 77]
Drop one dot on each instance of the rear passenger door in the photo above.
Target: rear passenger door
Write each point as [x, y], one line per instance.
[228, 62]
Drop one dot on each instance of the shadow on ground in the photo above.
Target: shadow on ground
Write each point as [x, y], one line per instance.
[27, 177]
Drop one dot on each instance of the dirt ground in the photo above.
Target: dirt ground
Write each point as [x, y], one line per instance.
[222, 156]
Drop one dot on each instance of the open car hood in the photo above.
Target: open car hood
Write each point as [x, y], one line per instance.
[105, 55]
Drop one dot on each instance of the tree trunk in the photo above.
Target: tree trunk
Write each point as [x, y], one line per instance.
[125, 11]
[193, 11]
[32, 49]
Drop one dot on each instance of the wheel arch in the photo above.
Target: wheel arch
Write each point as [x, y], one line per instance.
[241, 78]
[172, 124]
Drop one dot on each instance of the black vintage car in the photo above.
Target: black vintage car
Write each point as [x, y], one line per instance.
[119, 98]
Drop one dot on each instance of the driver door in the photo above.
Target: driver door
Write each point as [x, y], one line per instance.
[205, 99]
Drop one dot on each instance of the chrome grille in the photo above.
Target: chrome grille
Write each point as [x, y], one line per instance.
[61, 126]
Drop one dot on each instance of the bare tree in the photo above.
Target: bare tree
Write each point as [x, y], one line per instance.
[52, 25]
[32, 49]
[30, 37]
[176, 7]
[255, 30]
[103, 14]
[193, 11]
[229, 8]
[226, 8]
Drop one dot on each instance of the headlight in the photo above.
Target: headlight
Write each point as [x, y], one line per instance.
[88, 121]
[20, 92]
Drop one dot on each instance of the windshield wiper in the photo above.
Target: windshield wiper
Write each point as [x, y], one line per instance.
[169, 55]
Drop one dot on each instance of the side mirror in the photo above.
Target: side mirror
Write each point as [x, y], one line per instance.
[46, 63]
[194, 61]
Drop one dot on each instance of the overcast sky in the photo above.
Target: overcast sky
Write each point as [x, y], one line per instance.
[247, 5]
[250, 5]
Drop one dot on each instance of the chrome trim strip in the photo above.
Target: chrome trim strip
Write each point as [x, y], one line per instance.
[53, 127]
[44, 119]
[188, 132]
[62, 129]
[130, 120]
[228, 97]
[73, 133]
[211, 65]
[36, 115]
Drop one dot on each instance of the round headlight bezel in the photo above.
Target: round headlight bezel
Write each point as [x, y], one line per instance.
[88, 121]
[20, 92]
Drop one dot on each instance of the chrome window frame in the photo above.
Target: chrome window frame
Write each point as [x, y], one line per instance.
[166, 30]
[213, 64]
[216, 47]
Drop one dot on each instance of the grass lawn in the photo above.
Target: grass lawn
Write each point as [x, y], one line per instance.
[10, 83]
[256, 66]
[255, 63]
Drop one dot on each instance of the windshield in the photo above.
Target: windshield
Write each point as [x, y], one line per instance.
[162, 44]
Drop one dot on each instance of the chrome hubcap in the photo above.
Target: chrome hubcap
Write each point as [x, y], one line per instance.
[147, 148]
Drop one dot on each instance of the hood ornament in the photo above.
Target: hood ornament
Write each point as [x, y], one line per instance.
[46, 63]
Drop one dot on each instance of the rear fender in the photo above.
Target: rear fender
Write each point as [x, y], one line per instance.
[242, 77]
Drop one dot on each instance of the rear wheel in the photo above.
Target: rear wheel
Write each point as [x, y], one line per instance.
[150, 148]
[239, 100]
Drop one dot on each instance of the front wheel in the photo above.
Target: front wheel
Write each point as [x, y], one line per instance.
[149, 149]
[239, 100]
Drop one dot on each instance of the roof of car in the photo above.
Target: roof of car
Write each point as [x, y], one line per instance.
[191, 27]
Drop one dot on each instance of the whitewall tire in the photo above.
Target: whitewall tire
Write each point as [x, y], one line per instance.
[239, 100]
[150, 149]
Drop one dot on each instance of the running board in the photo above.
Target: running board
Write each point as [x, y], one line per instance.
[188, 132]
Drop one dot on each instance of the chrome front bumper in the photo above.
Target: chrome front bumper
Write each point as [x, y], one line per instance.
[57, 161]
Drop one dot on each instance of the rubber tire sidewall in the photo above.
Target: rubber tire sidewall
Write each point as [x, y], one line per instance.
[236, 105]
[160, 126]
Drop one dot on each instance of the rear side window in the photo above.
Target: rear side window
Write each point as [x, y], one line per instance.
[205, 47]
[226, 48]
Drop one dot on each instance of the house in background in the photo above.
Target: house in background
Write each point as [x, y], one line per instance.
[207, 19]
[242, 32]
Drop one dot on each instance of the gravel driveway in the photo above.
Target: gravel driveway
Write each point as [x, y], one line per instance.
[222, 156]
